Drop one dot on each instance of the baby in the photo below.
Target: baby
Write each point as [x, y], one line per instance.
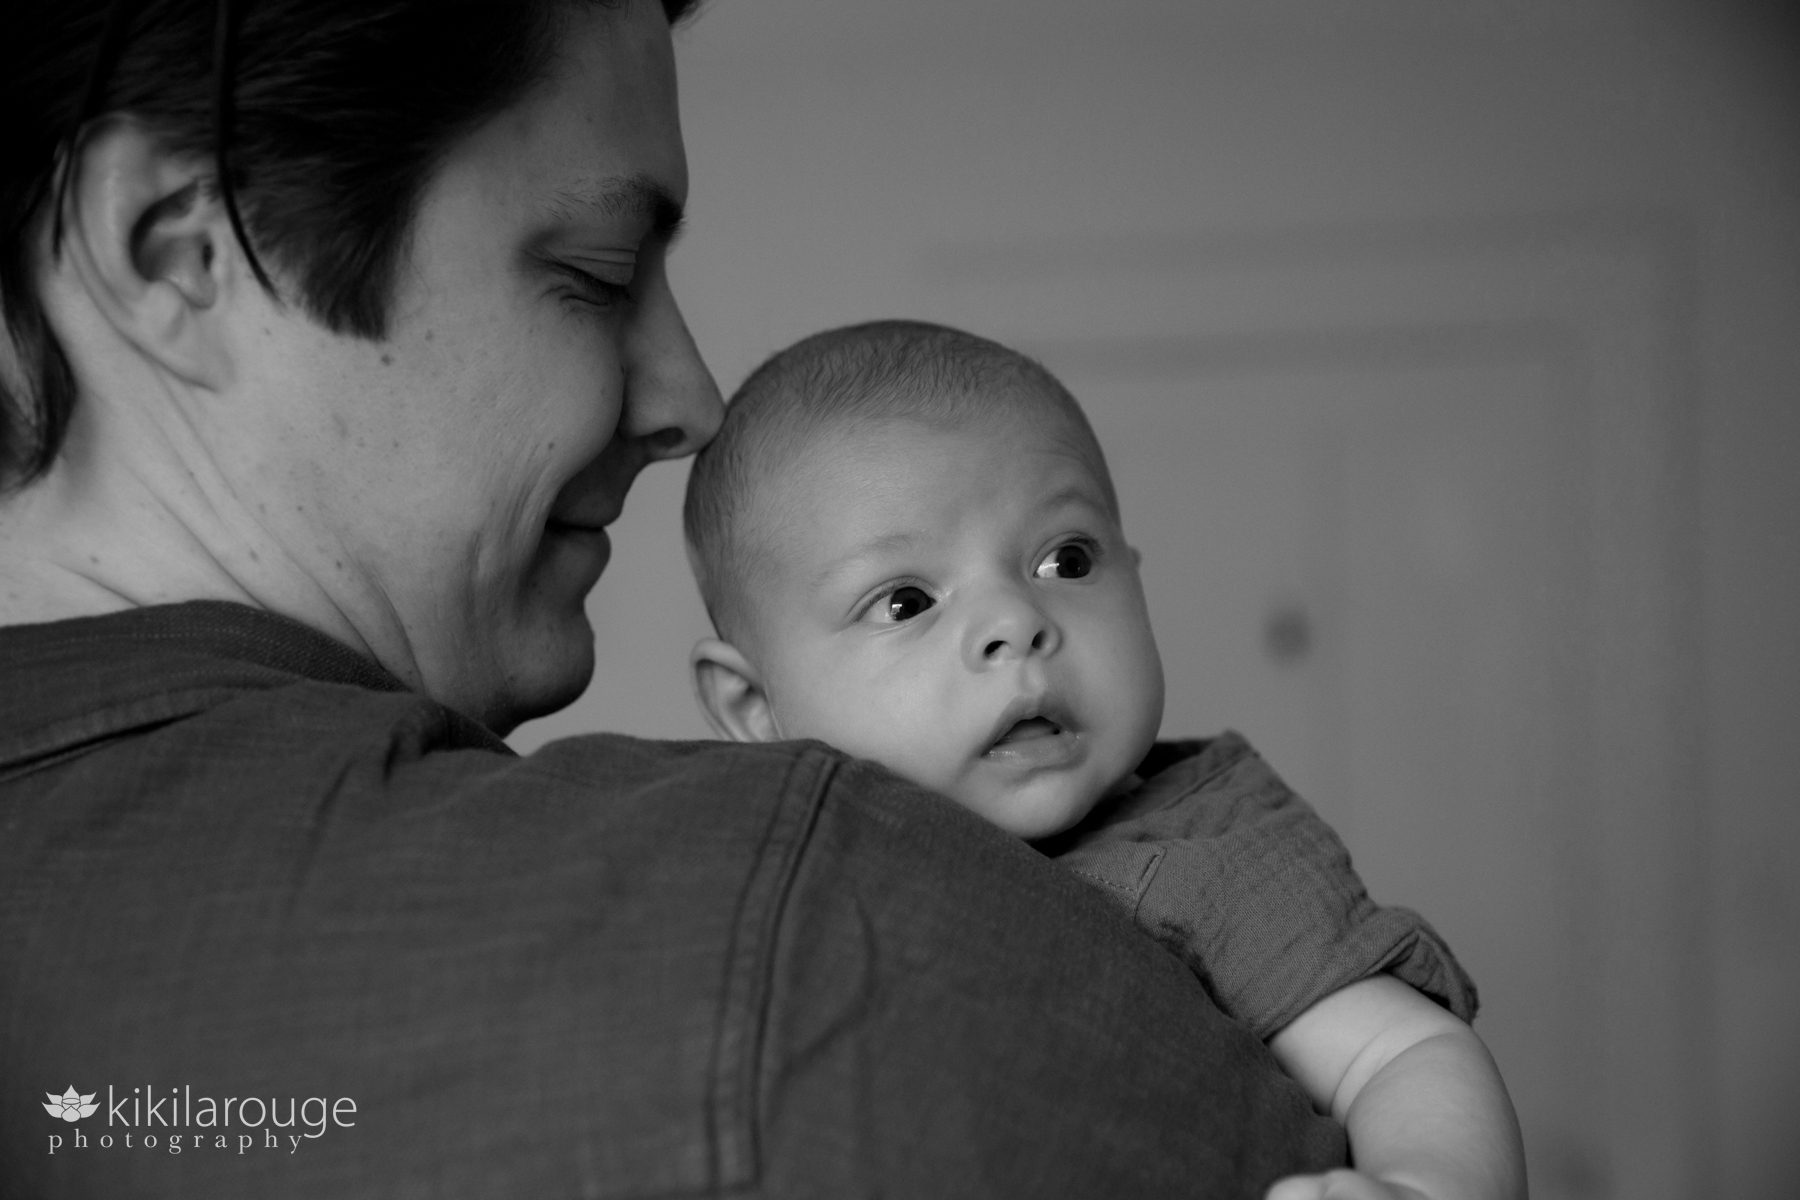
[910, 547]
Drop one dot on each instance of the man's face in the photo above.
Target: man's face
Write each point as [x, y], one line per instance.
[451, 482]
[960, 605]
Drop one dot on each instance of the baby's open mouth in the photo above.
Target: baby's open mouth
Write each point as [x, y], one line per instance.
[1029, 729]
[1029, 739]
[1033, 732]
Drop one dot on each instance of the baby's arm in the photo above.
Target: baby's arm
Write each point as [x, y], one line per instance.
[1427, 1113]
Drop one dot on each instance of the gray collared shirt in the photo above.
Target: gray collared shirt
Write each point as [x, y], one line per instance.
[239, 863]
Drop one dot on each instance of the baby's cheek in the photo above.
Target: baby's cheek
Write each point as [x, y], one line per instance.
[883, 733]
[1134, 686]
[912, 748]
[906, 721]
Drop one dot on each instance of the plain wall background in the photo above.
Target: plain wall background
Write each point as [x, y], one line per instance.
[847, 154]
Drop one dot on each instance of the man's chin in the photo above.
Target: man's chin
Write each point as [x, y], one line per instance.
[548, 679]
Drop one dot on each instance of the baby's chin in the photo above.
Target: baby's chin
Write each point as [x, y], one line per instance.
[1042, 802]
[1036, 809]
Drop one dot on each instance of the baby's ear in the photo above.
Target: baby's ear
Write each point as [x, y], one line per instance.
[731, 693]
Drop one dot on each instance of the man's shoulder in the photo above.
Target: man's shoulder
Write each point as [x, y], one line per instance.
[763, 969]
[308, 887]
[667, 967]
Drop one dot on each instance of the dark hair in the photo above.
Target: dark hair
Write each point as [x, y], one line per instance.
[872, 372]
[326, 119]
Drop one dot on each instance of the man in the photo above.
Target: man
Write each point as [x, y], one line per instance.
[335, 346]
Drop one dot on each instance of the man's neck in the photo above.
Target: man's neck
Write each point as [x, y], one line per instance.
[67, 552]
[85, 540]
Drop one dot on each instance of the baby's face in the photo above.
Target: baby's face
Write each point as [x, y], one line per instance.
[959, 604]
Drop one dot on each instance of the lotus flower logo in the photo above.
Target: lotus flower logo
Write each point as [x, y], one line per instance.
[71, 1105]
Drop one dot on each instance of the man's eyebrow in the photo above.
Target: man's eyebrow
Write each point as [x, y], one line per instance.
[611, 198]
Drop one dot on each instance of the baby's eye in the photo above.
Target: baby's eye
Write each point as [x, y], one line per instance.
[901, 604]
[1071, 560]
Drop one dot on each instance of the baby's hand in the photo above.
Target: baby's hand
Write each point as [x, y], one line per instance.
[1341, 1185]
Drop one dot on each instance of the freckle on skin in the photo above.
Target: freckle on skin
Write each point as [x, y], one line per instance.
[387, 360]
[429, 335]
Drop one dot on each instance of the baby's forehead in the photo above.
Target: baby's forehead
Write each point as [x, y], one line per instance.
[826, 458]
[864, 477]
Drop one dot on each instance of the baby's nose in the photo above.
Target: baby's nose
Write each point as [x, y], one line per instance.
[1000, 645]
[1011, 627]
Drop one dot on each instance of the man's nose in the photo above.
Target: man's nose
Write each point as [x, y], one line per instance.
[672, 404]
[1008, 625]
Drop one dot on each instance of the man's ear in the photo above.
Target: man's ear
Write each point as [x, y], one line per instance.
[731, 693]
[151, 244]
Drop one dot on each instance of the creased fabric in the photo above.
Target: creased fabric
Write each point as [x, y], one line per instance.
[1219, 860]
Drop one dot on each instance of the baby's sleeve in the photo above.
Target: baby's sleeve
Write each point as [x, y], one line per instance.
[1237, 875]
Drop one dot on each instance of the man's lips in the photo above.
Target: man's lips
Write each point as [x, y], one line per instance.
[586, 521]
[576, 527]
[584, 517]
[590, 542]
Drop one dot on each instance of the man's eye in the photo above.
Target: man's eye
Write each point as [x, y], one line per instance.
[599, 292]
[1071, 560]
[901, 604]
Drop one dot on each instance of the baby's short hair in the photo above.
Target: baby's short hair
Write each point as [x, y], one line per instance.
[879, 370]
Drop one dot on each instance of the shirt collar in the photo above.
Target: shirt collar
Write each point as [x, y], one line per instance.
[68, 684]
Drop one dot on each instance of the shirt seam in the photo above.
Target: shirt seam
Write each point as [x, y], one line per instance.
[73, 736]
[750, 979]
